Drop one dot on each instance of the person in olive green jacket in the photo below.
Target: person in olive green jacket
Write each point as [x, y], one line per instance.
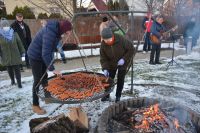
[116, 53]
[11, 51]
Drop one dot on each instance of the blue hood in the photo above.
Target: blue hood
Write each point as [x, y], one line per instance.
[7, 34]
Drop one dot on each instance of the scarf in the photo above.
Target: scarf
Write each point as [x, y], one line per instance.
[7, 33]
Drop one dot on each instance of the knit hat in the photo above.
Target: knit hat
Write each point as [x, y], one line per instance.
[105, 19]
[4, 23]
[65, 26]
[106, 33]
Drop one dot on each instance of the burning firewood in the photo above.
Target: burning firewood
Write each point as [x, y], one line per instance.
[149, 120]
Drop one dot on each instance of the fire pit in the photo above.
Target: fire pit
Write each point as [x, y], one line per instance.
[144, 115]
[76, 87]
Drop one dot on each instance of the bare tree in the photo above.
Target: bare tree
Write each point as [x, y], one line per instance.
[154, 5]
[68, 7]
[178, 7]
[181, 7]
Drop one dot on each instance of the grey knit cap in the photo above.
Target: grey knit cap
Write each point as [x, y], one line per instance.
[106, 33]
[4, 22]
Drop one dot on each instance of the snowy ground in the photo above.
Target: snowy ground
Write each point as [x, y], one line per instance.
[177, 84]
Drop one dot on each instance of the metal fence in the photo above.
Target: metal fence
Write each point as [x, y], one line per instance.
[86, 24]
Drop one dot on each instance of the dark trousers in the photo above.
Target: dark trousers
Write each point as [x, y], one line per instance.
[120, 80]
[155, 51]
[38, 69]
[14, 71]
[27, 60]
[147, 43]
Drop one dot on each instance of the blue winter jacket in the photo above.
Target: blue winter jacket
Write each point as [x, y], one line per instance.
[157, 29]
[44, 44]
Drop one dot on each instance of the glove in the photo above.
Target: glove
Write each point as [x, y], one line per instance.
[121, 62]
[106, 73]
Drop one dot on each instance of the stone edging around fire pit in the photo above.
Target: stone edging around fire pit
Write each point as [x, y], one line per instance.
[117, 108]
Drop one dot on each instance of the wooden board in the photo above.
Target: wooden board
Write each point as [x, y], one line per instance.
[79, 117]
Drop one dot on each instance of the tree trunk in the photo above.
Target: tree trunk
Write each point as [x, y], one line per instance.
[75, 6]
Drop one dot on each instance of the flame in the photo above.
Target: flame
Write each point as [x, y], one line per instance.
[151, 114]
[145, 125]
[176, 123]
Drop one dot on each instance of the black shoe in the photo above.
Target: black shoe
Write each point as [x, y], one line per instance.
[64, 61]
[117, 99]
[106, 98]
[151, 63]
[19, 86]
[12, 82]
[158, 63]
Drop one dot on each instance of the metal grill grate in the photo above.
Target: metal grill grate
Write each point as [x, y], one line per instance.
[45, 95]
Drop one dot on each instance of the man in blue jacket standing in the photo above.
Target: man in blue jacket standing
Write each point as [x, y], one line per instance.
[40, 54]
[157, 30]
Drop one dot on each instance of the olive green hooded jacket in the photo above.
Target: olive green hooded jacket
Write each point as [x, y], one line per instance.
[11, 49]
[110, 55]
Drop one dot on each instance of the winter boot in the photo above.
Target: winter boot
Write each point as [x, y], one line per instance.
[157, 62]
[38, 110]
[106, 98]
[151, 63]
[117, 99]
[64, 61]
[19, 85]
[12, 82]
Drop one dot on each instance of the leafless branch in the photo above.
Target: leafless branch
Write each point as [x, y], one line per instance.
[31, 1]
[66, 6]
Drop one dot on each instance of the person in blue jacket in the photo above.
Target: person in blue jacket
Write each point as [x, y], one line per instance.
[157, 29]
[40, 54]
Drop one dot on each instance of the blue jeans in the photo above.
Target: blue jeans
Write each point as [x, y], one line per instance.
[147, 43]
[60, 50]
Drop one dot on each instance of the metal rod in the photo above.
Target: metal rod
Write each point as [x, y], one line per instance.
[107, 12]
[104, 12]
[80, 50]
[132, 59]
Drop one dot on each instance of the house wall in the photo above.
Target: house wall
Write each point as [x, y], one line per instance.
[11, 4]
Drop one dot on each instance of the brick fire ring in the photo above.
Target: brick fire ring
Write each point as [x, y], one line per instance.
[117, 108]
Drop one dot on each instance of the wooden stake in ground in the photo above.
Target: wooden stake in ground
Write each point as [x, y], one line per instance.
[79, 117]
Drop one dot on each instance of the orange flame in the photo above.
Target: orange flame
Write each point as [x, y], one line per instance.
[145, 124]
[150, 115]
[176, 123]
